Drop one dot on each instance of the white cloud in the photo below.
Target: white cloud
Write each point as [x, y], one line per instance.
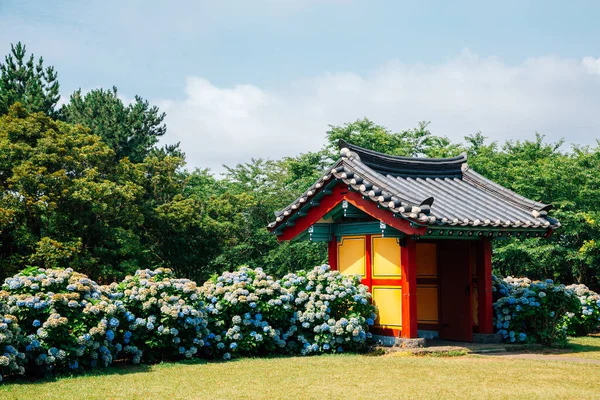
[592, 64]
[554, 96]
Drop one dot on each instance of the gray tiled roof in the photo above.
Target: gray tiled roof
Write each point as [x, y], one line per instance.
[430, 191]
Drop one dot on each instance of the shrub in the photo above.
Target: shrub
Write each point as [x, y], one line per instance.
[53, 319]
[11, 359]
[163, 317]
[304, 313]
[533, 312]
[65, 320]
[500, 288]
[333, 311]
[249, 313]
[587, 320]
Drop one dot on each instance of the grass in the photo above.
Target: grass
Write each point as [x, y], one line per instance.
[585, 347]
[332, 377]
[434, 353]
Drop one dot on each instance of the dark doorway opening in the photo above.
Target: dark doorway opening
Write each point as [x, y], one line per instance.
[454, 262]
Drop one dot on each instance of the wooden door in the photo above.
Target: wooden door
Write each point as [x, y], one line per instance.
[377, 260]
[455, 290]
[386, 282]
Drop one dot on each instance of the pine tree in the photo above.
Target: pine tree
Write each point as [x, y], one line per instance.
[131, 130]
[25, 81]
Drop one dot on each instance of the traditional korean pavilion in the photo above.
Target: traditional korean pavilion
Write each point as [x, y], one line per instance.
[419, 232]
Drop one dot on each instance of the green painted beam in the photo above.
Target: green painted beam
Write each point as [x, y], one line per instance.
[323, 232]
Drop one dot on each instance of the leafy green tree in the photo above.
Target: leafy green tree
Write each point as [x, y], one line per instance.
[130, 130]
[30, 83]
[414, 142]
[567, 180]
[180, 231]
[65, 202]
[244, 202]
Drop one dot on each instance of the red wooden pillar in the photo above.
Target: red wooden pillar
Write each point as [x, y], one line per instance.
[368, 279]
[408, 255]
[484, 287]
[332, 255]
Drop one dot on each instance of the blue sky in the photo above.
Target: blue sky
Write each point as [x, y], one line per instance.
[260, 78]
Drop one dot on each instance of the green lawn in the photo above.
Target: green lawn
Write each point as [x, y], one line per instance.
[333, 377]
[585, 347]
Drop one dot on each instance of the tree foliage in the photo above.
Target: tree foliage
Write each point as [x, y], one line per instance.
[130, 130]
[65, 202]
[416, 142]
[249, 195]
[23, 80]
[566, 179]
[89, 189]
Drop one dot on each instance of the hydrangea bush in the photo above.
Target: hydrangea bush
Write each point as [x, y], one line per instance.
[532, 312]
[333, 311]
[308, 312]
[587, 320]
[249, 312]
[64, 320]
[55, 320]
[162, 318]
[11, 360]
[500, 288]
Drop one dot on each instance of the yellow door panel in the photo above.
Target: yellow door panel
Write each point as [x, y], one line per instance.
[351, 256]
[426, 259]
[427, 303]
[386, 257]
[388, 300]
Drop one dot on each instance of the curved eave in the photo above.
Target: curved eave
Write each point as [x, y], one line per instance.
[346, 172]
[416, 206]
[405, 166]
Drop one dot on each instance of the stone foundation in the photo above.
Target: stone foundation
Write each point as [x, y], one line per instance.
[411, 343]
[487, 338]
[390, 341]
[414, 343]
[429, 335]
[386, 341]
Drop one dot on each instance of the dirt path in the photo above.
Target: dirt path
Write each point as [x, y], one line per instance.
[542, 357]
